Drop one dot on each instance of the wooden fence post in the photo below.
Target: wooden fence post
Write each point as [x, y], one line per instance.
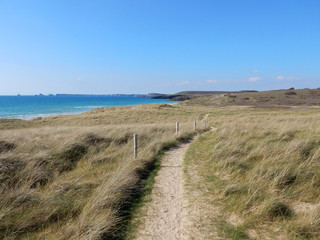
[177, 128]
[195, 125]
[135, 145]
[205, 123]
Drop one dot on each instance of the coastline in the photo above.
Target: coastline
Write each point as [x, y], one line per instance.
[76, 109]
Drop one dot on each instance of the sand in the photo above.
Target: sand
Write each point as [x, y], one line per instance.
[166, 216]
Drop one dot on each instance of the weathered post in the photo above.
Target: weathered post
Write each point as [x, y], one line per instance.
[177, 128]
[205, 123]
[195, 125]
[135, 145]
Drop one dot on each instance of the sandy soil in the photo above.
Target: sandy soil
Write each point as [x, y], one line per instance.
[166, 216]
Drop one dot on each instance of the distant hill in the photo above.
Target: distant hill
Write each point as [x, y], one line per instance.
[187, 95]
[274, 98]
[206, 93]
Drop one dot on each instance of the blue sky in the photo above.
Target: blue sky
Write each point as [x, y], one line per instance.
[141, 46]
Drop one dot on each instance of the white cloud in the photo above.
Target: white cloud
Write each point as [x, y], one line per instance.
[255, 71]
[211, 81]
[254, 79]
[289, 78]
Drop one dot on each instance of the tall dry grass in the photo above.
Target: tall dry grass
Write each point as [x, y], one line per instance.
[264, 168]
[75, 182]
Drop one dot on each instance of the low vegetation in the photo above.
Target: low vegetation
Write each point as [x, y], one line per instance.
[74, 177]
[267, 99]
[262, 169]
[59, 181]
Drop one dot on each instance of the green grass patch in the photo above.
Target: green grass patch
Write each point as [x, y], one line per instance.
[228, 231]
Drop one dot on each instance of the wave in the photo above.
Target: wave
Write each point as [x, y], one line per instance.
[88, 107]
[31, 107]
[42, 115]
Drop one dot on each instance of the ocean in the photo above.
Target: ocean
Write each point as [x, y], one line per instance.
[29, 107]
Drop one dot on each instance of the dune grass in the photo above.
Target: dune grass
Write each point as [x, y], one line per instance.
[152, 113]
[72, 177]
[262, 169]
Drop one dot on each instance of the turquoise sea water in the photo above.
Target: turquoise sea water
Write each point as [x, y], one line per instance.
[29, 107]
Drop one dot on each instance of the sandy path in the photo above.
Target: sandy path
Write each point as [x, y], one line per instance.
[165, 216]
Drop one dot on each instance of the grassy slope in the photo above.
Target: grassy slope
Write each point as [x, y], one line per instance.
[70, 177]
[266, 99]
[67, 177]
[261, 167]
[161, 113]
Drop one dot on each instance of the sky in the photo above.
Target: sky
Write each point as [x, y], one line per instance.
[166, 46]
